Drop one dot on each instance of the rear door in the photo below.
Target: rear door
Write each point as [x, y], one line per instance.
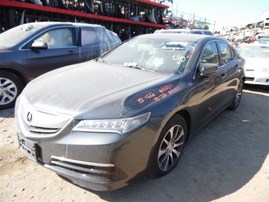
[228, 70]
[62, 50]
[90, 43]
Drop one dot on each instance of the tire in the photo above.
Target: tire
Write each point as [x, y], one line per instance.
[10, 88]
[169, 147]
[237, 97]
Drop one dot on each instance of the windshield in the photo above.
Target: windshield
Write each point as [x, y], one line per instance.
[12, 37]
[254, 51]
[152, 54]
[263, 41]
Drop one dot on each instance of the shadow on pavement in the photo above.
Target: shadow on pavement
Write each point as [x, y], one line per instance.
[6, 113]
[217, 161]
[257, 88]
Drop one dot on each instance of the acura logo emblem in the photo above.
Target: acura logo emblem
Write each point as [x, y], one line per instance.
[29, 117]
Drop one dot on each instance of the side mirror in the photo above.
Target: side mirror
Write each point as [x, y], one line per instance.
[39, 45]
[207, 69]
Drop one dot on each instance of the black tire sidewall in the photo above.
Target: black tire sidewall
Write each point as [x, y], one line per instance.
[235, 104]
[154, 169]
[15, 79]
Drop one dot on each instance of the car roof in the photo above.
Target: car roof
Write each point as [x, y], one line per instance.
[177, 37]
[202, 31]
[56, 23]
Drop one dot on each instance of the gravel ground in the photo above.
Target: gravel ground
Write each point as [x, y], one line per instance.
[226, 161]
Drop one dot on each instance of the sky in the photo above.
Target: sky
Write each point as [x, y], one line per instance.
[224, 12]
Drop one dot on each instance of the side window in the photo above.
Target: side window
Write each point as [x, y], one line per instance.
[88, 37]
[226, 53]
[58, 38]
[196, 32]
[207, 33]
[106, 44]
[210, 54]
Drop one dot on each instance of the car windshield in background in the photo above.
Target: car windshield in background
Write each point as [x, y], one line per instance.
[185, 31]
[19, 33]
[263, 41]
[253, 51]
[160, 55]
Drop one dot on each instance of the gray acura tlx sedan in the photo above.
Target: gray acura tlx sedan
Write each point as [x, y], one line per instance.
[103, 123]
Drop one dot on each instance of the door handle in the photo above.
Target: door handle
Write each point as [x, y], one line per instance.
[70, 52]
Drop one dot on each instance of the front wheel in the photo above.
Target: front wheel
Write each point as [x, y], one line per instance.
[10, 87]
[169, 147]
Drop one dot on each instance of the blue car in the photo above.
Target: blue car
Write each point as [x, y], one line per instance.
[32, 49]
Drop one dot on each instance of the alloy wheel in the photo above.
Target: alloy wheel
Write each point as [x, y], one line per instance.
[171, 147]
[8, 91]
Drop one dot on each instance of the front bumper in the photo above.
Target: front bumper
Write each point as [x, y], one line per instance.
[96, 176]
[257, 78]
[98, 161]
[98, 167]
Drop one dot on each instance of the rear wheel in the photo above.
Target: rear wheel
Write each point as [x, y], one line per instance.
[10, 87]
[169, 147]
[237, 97]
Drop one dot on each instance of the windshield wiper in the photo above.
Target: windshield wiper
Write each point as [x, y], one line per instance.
[135, 66]
[131, 65]
[101, 60]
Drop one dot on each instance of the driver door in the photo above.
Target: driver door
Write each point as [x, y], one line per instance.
[207, 88]
[61, 50]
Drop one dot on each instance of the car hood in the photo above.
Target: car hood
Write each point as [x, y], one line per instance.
[95, 90]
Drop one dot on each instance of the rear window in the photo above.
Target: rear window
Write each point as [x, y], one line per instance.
[88, 36]
[226, 53]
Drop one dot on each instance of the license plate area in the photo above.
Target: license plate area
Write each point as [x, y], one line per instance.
[29, 148]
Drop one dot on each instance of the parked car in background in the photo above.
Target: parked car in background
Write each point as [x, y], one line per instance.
[256, 63]
[185, 31]
[30, 50]
[262, 35]
[102, 123]
[263, 41]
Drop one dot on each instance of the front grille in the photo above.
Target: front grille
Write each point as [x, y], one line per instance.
[41, 130]
[40, 123]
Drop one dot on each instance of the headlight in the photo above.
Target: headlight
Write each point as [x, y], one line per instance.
[120, 126]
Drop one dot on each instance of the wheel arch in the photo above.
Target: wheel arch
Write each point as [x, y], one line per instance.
[185, 114]
[19, 74]
[182, 112]
[187, 117]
